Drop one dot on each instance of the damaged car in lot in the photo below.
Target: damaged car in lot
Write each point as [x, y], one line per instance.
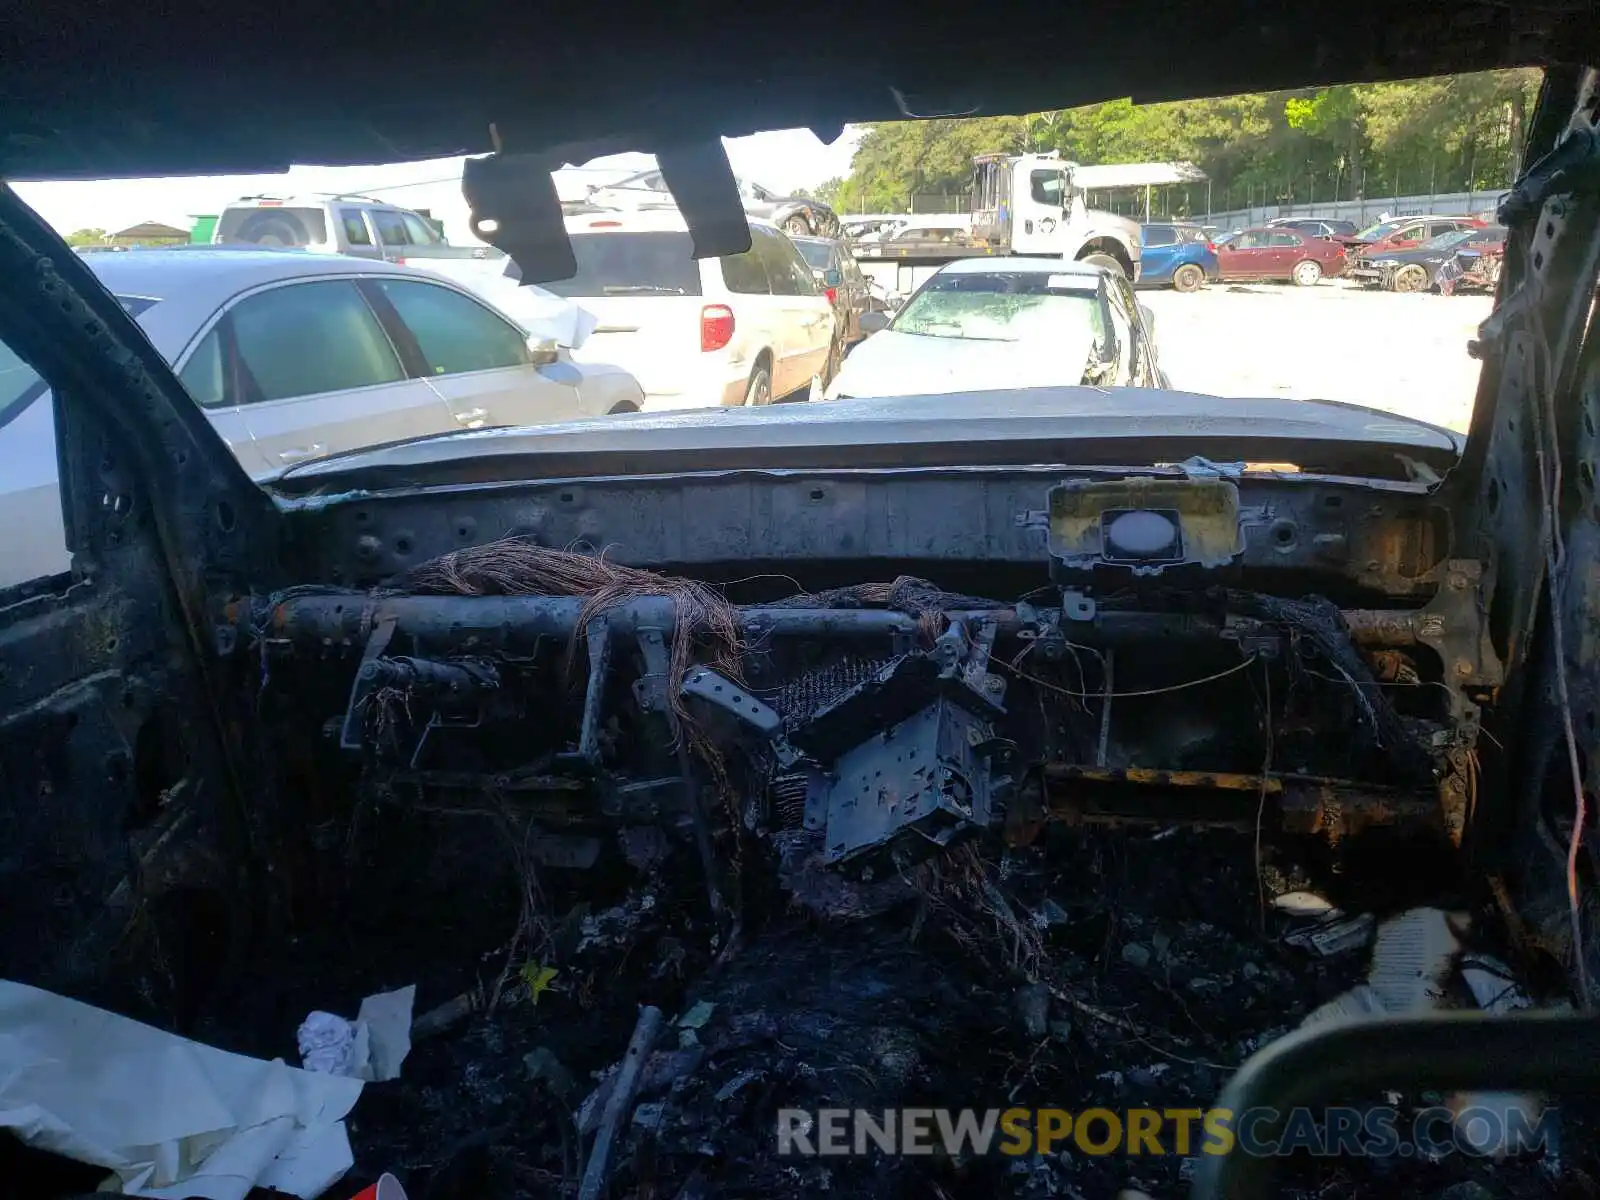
[980, 325]
[801, 216]
[910, 751]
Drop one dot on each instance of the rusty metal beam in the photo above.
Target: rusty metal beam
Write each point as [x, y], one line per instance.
[1299, 804]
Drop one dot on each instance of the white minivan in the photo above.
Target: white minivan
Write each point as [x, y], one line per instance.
[742, 329]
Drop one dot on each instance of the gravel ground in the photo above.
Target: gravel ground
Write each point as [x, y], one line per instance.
[1404, 353]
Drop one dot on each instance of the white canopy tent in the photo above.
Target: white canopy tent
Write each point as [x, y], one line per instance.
[1123, 176]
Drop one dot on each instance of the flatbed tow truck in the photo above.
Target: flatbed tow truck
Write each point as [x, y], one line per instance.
[1027, 204]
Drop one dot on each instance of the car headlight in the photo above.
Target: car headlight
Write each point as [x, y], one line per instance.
[1386, 262]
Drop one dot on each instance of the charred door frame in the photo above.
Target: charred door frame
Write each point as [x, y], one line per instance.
[1536, 417]
[121, 716]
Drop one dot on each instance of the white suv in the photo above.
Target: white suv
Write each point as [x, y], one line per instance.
[743, 329]
[353, 225]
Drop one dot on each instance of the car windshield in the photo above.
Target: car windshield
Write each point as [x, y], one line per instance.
[818, 254]
[1382, 229]
[628, 263]
[1153, 196]
[999, 307]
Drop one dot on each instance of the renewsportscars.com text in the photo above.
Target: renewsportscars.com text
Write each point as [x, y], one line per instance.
[1338, 1132]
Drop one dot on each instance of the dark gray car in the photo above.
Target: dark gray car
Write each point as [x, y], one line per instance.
[840, 275]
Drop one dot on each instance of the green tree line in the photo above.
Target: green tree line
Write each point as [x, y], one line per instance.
[1451, 133]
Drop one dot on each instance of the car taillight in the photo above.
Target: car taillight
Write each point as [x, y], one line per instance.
[716, 327]
[1212, 247]
[833, 295]
[605, 224]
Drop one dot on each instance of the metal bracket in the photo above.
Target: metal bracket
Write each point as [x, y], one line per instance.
[702, 683]
[930, 775]
[976, 671]
[1254, 638]
[705, 684]
[365, 682]
[598, 637]
[949, 648]
[650, 689]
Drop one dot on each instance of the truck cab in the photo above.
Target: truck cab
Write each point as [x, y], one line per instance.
[1029, 204]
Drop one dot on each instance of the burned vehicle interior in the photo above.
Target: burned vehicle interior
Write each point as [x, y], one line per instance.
[861, 739]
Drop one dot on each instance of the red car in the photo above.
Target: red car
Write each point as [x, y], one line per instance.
[1402, 233]
[1406, 233]
[1279, 253]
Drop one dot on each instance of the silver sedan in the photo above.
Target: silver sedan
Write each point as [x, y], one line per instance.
[294, 356]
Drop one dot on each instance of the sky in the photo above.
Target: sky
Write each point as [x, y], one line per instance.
[782, 160]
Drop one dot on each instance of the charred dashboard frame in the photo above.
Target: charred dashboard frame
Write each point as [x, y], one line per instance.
[1137, 673]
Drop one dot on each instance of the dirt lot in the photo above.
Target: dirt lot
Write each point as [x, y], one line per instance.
[1405, 353]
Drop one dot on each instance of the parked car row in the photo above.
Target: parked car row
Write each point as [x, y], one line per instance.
[1405, 254]
[1181, 256]
[1323, 227]
[1414, 266]
[295, 356]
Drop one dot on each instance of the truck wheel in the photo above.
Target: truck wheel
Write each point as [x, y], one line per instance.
[1188, 278]
[1103, 260]
[760, 390]
[1409, 278]
[1307, 273]
[797, 225]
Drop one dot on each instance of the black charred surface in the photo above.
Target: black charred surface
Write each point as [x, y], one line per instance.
[1164, 935]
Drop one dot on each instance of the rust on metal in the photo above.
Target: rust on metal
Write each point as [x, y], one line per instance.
[1153, 776]
[1384, 627]
[1299, 804]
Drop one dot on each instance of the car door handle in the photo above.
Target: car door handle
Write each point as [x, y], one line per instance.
[473, 418]
[298, 453]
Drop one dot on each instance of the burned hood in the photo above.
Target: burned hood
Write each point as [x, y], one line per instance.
[1076, 425]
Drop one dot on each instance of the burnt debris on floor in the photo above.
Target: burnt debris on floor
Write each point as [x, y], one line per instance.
[871, 846]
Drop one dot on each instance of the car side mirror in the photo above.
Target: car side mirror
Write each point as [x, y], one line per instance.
[542, 350]
[832, 277]
[873, 322]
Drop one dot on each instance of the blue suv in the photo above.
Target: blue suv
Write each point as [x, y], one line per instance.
[1177, 255]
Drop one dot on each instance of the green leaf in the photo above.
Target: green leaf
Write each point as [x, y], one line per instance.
[538, 977]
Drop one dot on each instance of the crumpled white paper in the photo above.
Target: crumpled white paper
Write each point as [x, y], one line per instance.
[371, 1047]
[171, 1117]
